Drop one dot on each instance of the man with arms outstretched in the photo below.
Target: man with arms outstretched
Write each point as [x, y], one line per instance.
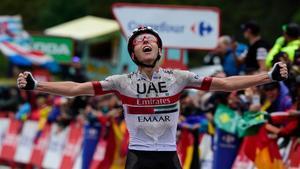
[150, 98]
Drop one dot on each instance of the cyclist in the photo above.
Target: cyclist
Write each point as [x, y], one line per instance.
[150, 98]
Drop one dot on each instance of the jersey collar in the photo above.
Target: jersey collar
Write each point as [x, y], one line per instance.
[156, 75]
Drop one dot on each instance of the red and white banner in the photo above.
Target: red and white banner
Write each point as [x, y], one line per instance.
[40, 147]
[73, 146]
[78, 162]
[10, 141]
[26, 142]
[55, 147]
[3, 129]
[99, 153]
[54, 153]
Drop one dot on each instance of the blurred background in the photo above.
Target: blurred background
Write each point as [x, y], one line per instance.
[85, 40]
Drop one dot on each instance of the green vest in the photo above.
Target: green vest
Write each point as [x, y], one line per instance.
[278, 47]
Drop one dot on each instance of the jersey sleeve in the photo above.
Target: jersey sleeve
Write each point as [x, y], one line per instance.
[191, 80]
[105, 86]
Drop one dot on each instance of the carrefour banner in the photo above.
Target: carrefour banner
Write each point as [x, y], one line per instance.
[186, 27]
[61, 49]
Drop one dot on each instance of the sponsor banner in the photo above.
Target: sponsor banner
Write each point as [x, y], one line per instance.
[61, 49]
[3, 129]
[40, 147]
[197, 28]
[53, 155]
[225, 149]
[10, 141]
[90, 141]
[26, 142]
[73, 146]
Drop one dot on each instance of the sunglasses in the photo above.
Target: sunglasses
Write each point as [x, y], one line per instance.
[141, 38]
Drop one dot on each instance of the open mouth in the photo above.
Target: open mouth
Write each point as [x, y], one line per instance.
[147, 49]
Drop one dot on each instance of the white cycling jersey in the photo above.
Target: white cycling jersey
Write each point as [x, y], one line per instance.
[151, 107]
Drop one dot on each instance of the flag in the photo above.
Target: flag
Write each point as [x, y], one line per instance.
[293, 158]
[109, 151]
[185, 148]
[15, 43]
[263, 151]
[242, 161]
[250, 123]
[122, 140]
[226, 119]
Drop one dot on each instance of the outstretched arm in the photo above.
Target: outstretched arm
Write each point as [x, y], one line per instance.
[69, 89]
[279, 72]
[239, 82]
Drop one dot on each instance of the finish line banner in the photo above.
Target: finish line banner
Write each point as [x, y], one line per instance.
[185, 27]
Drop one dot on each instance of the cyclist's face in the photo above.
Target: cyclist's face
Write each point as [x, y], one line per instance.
[145, 48]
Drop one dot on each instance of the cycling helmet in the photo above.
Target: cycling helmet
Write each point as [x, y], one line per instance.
[135, 33]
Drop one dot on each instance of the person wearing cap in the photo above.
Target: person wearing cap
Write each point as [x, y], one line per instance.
[258, 49]
[288, 43]
[278, 96]
[150, 98]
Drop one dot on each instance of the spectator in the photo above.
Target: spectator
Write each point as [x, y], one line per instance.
[276, 97]
[258, 49]
[231, 52]
[9, 99]
[191, 120]
[288, 43]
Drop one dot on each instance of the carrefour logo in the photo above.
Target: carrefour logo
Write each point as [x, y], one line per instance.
[202, 28]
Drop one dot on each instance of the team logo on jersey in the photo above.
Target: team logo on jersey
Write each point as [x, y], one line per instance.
[146, 88]
[164, 118]
[153, 101]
